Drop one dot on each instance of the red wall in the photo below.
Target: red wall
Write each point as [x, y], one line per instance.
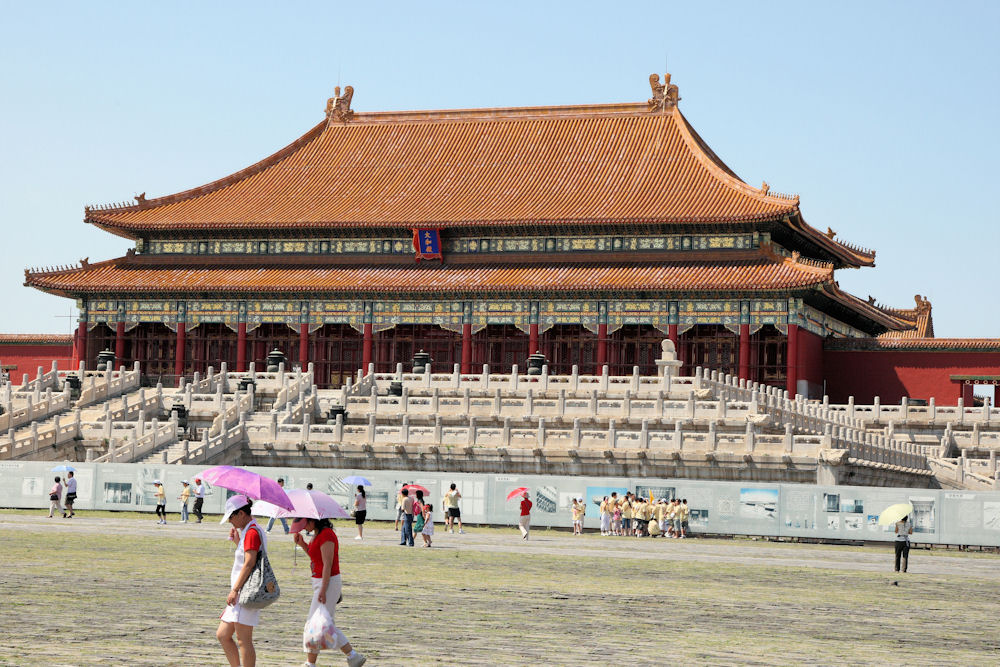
[26, 358]
[810, 364]
[892, 374]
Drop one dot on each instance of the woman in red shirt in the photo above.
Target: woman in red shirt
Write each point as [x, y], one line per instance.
[525, 522]
[324, 556]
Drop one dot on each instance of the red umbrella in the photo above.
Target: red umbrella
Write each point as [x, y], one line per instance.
[516, 492]
[416, 487]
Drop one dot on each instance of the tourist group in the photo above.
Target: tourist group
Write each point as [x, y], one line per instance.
[633, 515]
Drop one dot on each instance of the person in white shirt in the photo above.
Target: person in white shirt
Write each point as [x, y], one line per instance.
[904, 528]
[199, 497]
[236, 619]
[70, 495]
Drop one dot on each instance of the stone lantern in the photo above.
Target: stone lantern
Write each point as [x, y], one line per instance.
[535, 363]
[421, 362]
[274, 360]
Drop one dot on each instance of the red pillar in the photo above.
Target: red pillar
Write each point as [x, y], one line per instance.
[119, 342]
[241, 347]
[602, 346]
[745, 351]
[792, 361]
[179, 350]
[467, 347]
[303, 345]
[532, 339]
[366, 348]
[81, 342]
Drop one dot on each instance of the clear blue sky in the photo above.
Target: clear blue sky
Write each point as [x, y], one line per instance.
[881, 115]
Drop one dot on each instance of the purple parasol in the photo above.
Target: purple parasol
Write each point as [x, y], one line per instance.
[252, 485]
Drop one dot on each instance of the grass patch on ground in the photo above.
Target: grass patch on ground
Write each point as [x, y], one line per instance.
[121, 593]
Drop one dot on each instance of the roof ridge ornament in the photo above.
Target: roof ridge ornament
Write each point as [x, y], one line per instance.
[665, 95]
[338, 107]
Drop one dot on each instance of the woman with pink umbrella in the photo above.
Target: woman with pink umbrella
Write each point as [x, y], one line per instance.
[250, 542]
[314, 509]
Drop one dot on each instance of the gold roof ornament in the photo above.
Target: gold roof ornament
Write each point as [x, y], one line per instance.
[665, 95]
[338, 107]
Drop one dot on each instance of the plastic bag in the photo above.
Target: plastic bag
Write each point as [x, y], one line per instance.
[320, 634]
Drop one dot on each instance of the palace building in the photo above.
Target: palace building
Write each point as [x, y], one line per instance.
[588, 233]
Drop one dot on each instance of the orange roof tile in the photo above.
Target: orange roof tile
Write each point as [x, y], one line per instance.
[35, 339]
[923, 344]
[919, 319]
[123, 275]
[580, 164]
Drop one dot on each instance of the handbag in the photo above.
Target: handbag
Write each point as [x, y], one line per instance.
[53, 496]
[261, 588]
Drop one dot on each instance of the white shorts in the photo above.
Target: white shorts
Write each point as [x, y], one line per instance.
[238, 614]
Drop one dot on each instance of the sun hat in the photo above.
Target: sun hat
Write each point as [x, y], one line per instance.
[297, 526]
[184, 481]
[233, 504]
[156, 481]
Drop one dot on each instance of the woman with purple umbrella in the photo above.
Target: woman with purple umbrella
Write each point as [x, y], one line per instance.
[236, 619]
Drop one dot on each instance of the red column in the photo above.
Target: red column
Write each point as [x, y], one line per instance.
[745, 351]
[602, 346]
[179, 350]
[532, 339]
[81, 342]
[303, 345]
[119, 342]
[241, 347]
[366, 348]
[467, 347]
[792, 361]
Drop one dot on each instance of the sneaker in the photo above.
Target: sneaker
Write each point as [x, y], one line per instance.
[358, 660]
[460, 531]
[358, 537]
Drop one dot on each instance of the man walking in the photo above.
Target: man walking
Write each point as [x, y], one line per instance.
[199, 497]
[406, 534]
[70, 495]
[184, 497]
[525, 523]
[904, 528]
[454, 513]
[284, 523]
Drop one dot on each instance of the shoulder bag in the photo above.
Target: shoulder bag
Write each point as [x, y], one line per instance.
[261, 587]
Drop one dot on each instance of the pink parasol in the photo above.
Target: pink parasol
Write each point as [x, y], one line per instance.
[417, 487]
[306, 504]
[250, 484]
[516, 492]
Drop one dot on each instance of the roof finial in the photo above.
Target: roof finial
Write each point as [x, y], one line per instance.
[665, 95]
[338, 107]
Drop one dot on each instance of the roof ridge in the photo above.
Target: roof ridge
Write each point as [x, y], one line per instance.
[703, 152]
[142, 203]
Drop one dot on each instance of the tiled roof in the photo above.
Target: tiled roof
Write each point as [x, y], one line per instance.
[914, 344]
[920, 319]
[126, 275]
[601, 164]
[35, 339]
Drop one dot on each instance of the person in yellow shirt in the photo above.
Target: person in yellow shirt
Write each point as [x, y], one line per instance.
[605, 516]
[677, 518]
[184, 497]
[161, 502]
[685, 513]
[575, 510]
[661, 515]
[670, 512]
[626, 515]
